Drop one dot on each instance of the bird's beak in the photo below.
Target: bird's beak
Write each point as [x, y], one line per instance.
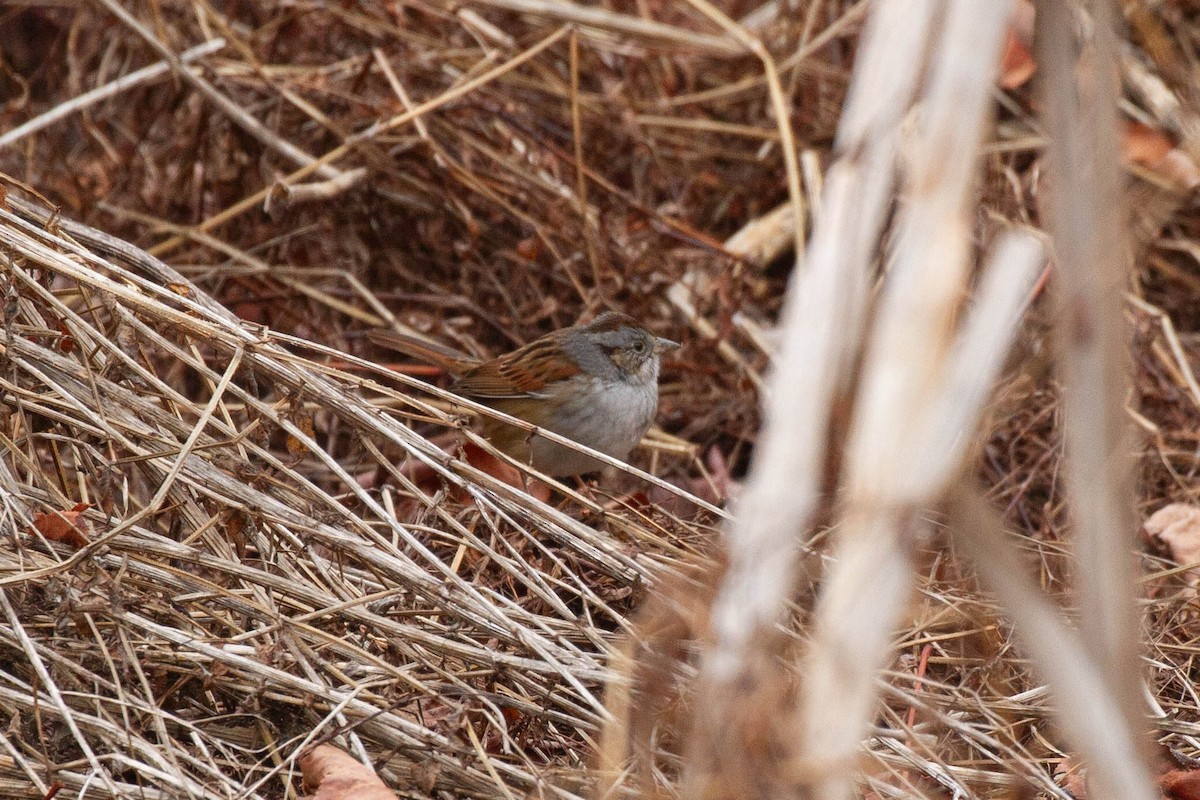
[662, 345]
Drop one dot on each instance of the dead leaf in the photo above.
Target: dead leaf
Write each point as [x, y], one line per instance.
[1017, 66]
[1144, 145]
[295, 445]
[65, 526]
[334, 775]
[1155, 151]
[529, 249]
[1071, 775]
[425, 775]
[1178, 527]
[1180, 784]
[429, 480]
[1176, 784]
[67, 343]
[502, 471]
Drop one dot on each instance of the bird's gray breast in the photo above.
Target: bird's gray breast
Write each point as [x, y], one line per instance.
[609, 416]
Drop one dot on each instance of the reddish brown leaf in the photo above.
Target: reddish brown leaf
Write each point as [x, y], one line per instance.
[67, 343]
[1018, 65]
[482, 460]
[529, 249]
[1144, 145]
[428, 480]
[334, 775]
[64, 526]
[1153, 150]
[1180, 784]
[295, 445]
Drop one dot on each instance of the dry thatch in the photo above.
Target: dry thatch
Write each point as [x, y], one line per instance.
[275, 561]
[219, 551]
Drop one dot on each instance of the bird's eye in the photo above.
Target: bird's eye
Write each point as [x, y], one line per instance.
[639, 346]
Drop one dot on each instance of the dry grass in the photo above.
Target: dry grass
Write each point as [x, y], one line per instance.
[268, 565]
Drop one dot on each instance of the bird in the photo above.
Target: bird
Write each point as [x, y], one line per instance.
[595, 383]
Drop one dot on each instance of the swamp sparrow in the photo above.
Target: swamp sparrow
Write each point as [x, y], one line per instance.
[596, 384]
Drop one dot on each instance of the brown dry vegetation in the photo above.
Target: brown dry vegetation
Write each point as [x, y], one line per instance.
[447, 628]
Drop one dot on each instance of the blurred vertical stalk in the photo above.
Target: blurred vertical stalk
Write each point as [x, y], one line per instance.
[912, 416]
[915, 409]
[821, 326]
[1086, 216]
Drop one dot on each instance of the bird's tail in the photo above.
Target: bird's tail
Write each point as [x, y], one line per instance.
[449, 359]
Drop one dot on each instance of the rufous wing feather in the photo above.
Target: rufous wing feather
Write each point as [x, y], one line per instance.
[525, 372]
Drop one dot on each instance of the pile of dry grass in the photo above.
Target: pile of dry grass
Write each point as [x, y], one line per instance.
[223, 587]
[268, 566]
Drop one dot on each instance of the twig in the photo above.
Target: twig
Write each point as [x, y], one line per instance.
[111, 89]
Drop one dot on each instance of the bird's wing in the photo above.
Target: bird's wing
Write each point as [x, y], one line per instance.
[525, 372]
